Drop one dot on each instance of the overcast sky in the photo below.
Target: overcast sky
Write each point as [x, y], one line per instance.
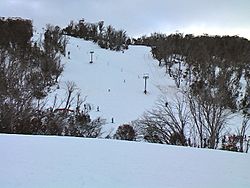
[140, 17]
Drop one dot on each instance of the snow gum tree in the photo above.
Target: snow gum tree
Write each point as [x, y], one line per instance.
[196, 120]
[209, 118]
[167, 123]
[28, 70]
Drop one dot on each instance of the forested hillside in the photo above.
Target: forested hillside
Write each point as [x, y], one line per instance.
[211, 75]
[29, 71]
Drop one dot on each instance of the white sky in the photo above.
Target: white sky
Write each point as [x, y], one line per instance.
[140, 17]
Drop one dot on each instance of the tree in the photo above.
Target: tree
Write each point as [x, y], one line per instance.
[209, 116]
[72, 116]
[242, 130]
[105, 37]
[241, 133]
[167, 124]
[27, 72]
[125, 132]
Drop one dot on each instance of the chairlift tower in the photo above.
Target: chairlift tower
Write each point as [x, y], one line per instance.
[145, 77]
[91, 56]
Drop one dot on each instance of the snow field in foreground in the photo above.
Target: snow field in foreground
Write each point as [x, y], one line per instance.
[48, 161]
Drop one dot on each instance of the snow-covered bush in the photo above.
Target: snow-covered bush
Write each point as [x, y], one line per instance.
[125, 132]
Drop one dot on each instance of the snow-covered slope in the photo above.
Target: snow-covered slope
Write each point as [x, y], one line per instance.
[40, 161]
[114, 81]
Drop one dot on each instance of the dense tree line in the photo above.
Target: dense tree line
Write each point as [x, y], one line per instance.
[216, 63]
[105, 37]
[28, 71]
